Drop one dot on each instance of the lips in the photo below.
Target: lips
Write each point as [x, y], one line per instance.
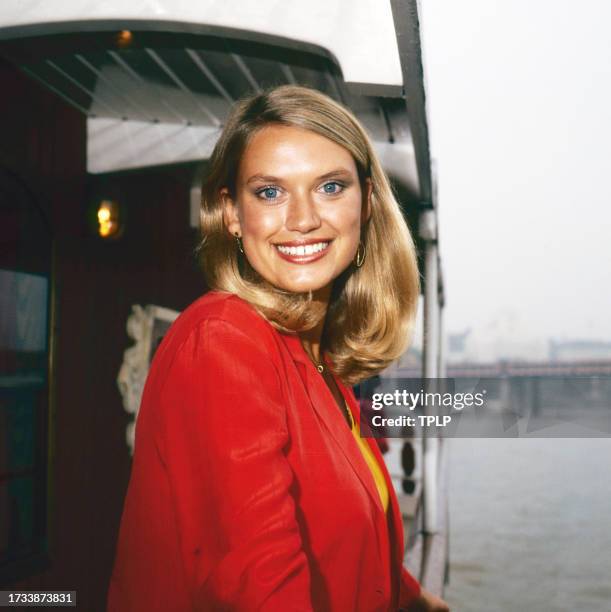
[303, 251]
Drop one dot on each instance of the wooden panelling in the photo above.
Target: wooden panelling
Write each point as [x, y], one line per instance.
[95, 284]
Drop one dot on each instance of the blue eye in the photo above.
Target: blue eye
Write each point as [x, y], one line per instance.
[268, 193]
[332, 187]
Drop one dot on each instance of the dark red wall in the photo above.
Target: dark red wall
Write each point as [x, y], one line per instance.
[95, 284]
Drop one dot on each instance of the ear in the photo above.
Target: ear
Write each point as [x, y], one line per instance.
[366, 208]
[230, 212]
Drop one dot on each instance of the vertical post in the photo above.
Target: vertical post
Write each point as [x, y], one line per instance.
[535, 404]
[441, 373]
[430, 444]
[195, 196]
[441, 358]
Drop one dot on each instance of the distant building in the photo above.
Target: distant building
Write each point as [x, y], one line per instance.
[579, 350]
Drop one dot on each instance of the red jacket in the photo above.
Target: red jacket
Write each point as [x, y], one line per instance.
[248, 491]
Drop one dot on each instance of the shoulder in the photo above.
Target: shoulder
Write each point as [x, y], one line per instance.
[217, 351]
[219, 304]
[218, 316]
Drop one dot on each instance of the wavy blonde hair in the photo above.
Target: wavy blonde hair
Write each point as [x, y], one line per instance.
[370, 318]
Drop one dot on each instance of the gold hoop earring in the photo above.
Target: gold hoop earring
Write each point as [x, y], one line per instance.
[360, 255]
[239, 242]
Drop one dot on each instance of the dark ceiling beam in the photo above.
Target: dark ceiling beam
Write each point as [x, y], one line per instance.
[407, 28]
[109, 83]
[199, 62]
[288, 74]
[216, 122]
[63, 95]
[113, 111]
[246, 72]
[131, 72]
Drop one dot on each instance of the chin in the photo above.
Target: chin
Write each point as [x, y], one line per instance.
[303, 285]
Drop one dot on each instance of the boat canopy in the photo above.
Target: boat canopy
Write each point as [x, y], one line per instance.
[359, 34]
[156, 78]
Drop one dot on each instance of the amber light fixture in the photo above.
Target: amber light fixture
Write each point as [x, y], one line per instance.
[124, 38]
[108, 219]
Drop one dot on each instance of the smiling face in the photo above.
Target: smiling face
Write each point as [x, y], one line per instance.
[298, 206]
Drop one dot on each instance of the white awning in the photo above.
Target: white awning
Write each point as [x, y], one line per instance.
[164, 98]
[358, 33]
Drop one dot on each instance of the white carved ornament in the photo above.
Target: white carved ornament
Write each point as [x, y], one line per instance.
[145, 326]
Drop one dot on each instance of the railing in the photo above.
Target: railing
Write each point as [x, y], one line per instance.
[425, 511]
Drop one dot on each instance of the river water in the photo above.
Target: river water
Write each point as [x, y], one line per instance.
[530, 525]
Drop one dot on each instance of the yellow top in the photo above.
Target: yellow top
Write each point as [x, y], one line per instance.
[371, 461]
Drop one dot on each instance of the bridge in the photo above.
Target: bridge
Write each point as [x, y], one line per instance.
[518, 369]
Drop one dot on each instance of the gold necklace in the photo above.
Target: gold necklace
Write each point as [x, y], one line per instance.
[321, 370]
[317, 364]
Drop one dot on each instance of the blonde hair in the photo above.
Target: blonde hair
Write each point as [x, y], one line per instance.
[370, 318]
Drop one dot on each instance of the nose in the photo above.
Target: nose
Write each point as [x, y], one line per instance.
[302, 215]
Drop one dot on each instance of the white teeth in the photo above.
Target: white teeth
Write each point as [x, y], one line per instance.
[307, 249]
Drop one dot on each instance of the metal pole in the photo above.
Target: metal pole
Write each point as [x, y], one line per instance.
[430, 444]
[441, 360]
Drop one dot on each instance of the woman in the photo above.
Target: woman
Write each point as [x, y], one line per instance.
[251, 488]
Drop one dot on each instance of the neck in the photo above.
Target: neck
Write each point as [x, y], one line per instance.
[311, 339]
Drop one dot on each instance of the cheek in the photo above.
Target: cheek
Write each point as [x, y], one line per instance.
[347, 221]
[259, 223]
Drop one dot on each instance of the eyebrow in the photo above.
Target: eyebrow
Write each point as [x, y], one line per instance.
[337, 173]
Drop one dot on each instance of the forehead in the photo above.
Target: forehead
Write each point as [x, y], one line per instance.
[287, 150]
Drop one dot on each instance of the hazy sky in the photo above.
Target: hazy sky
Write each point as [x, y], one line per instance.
[519, 96]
